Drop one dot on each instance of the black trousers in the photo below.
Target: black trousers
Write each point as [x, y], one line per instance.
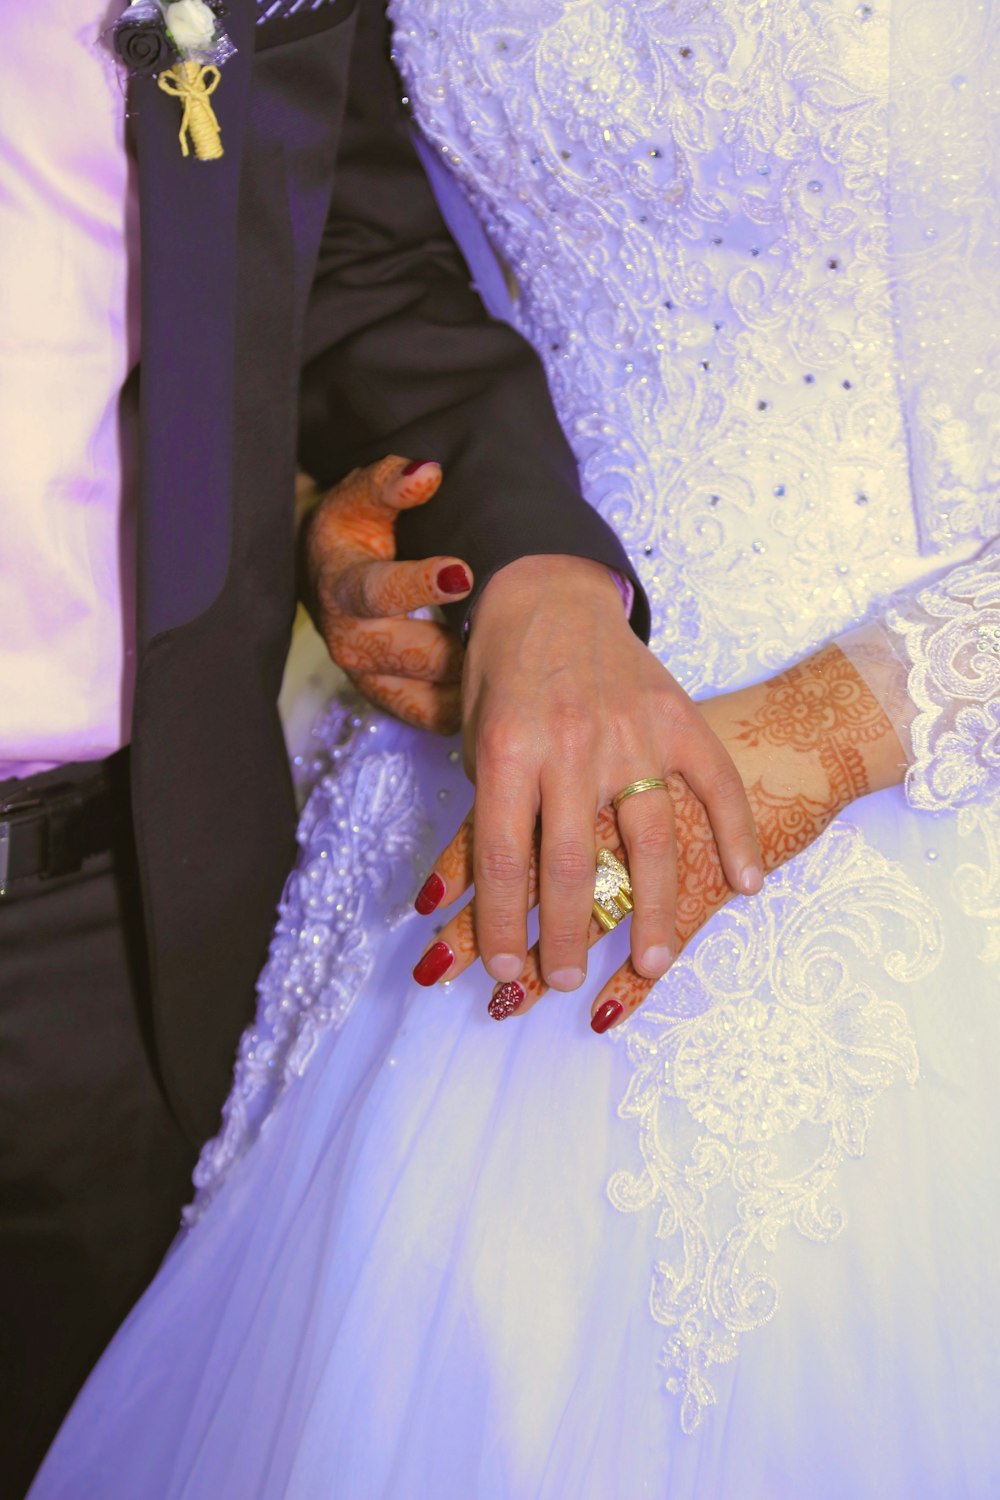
[93, 1168]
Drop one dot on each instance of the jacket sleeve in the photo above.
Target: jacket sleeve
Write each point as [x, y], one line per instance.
[401, 357]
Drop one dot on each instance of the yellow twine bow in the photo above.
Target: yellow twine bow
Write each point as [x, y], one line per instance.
[194, 83]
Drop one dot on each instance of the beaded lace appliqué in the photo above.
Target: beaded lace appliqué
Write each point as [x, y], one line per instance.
[951, 634]
[692, 199]
[362, 822]
[756, 1069]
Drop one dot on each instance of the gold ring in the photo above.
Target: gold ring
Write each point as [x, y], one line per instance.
[647, 784]
[612, 891]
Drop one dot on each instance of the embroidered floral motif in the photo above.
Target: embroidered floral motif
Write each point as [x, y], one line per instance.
[362, 828]
[954, 683]
[750, 1072]
[757, 1065]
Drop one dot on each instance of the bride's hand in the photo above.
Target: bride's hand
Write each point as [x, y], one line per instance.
[360, 597]
[806, 743]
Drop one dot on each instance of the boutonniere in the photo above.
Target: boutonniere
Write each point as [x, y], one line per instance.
[183, 44]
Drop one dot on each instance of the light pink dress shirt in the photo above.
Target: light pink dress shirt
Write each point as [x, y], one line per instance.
[68, 342]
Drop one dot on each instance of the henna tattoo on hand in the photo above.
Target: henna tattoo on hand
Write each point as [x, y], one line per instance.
[425, 705]
[360, 598]
[787, 823]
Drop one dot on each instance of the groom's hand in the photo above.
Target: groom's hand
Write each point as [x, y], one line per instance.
[563, 707]
[360, 597]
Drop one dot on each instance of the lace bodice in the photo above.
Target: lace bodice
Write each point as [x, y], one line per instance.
[691, 197]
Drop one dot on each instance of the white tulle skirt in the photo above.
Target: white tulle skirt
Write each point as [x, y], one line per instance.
[743, 1250]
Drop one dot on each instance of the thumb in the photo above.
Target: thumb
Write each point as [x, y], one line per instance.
[400, 484]
[357, 518]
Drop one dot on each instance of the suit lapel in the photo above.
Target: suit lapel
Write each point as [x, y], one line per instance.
[188, 270]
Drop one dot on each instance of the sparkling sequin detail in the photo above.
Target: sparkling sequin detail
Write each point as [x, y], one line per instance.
[757, 1065]
[506, 998]
[361, 833]
[950, 632]
[692, 200]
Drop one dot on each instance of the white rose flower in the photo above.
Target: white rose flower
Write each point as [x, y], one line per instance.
[191, 25]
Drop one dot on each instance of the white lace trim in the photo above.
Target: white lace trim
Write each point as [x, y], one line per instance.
[950, 632]
[758, 1064]
[362, 829]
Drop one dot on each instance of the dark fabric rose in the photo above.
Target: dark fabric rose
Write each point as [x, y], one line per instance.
[141, 39]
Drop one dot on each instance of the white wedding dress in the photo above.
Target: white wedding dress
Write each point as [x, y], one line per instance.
[744, 1247]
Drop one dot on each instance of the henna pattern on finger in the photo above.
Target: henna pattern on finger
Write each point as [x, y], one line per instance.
[455, 862]
[606, 832]
[460, 935]
[432, 706]
[365, 648]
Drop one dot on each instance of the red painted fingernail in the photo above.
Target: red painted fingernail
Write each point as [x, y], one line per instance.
[506, 998]
[606, 1016]
[454, 579]
[436, 961]
[418, 463]
[429, 895]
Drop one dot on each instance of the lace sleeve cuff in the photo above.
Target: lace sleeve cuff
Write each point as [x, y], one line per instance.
[947, 636]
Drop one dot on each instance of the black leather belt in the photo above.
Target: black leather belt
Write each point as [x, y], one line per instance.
[49, 827]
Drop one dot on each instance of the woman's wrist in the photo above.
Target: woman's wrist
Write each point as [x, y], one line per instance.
[815, 732]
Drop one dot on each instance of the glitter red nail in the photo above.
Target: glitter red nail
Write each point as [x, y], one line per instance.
[506, 999]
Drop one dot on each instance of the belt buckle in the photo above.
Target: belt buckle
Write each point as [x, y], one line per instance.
[28, 802]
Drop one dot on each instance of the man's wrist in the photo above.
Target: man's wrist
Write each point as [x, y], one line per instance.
[519, 584]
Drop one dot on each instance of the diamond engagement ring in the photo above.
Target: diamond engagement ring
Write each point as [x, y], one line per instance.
[612, 891]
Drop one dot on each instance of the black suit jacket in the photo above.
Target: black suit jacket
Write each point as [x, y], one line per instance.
[301, 299]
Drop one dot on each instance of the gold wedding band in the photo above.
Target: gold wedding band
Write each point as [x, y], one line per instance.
[612, 891]
[647, 784]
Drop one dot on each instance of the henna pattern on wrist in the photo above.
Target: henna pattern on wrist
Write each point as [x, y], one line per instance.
[822, 706]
